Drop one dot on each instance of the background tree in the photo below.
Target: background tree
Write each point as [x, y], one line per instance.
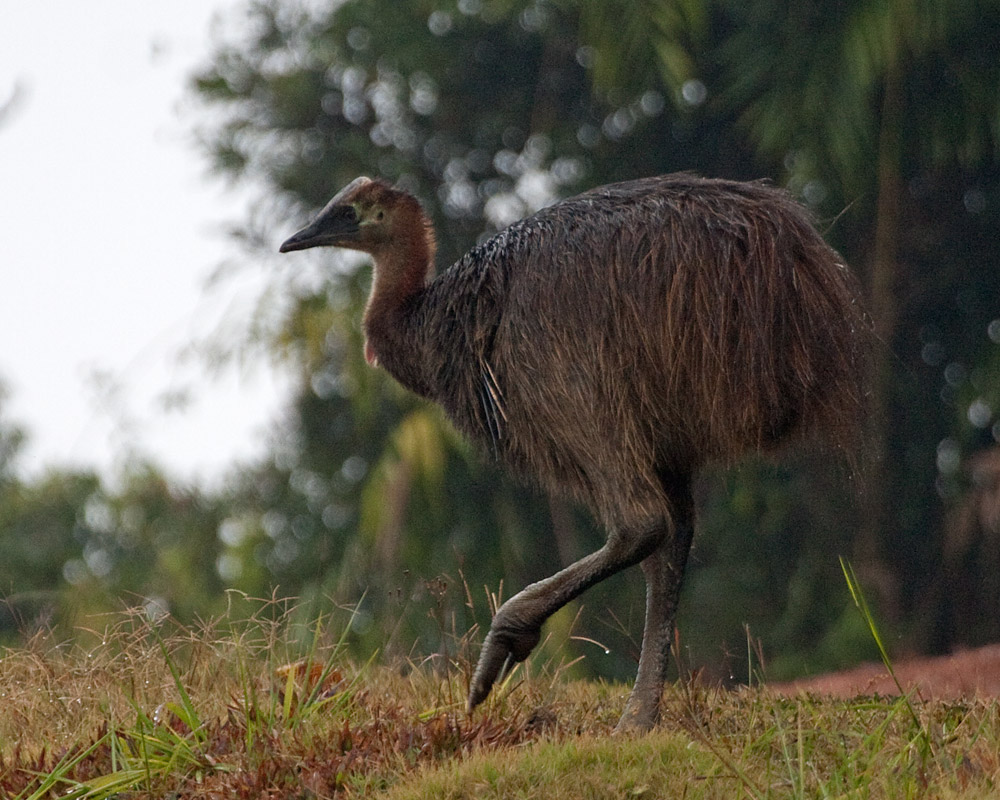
[71, 547]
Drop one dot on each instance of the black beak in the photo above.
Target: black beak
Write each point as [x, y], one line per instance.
[335, 226]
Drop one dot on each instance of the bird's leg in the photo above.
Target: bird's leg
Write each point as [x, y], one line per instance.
[517, 626]
[664, 570]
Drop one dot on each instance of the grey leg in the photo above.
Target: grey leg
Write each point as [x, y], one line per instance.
[517, 625]
[664, 570]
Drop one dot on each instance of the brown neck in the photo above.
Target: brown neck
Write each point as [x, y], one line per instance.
[402, 268]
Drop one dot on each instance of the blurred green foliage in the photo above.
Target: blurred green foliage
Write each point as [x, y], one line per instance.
[882, 116]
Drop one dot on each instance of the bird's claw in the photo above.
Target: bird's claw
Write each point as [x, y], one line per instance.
[502, 649]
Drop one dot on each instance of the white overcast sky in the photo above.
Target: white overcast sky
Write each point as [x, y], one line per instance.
[109, 228]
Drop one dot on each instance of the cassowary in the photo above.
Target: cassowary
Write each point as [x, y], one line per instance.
[609, 346]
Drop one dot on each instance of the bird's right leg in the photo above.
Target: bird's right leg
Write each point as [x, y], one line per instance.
[664, 572]
[516, 628]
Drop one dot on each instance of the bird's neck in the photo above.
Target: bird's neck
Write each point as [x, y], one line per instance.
[401, 272]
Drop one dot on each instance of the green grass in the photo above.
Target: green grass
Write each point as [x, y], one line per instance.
[257, 708]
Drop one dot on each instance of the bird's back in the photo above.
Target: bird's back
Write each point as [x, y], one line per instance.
[644, 328]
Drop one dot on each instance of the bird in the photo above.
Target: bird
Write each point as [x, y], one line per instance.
[608, 347]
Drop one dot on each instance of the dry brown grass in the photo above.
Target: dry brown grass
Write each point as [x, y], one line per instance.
[258, 709]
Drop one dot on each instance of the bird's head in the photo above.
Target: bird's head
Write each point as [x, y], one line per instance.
[365, 215]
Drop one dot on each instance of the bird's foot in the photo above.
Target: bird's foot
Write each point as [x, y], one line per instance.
[642, 711]
[505, 646]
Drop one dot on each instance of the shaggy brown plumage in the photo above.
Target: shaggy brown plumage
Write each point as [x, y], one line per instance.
[610, 345]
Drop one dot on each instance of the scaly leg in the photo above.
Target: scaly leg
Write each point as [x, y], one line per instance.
[516, 628]
[664, 571]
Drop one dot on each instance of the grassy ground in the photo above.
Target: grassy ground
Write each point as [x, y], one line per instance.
[247, 710]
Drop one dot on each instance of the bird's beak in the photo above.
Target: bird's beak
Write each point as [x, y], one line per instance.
[335, 226]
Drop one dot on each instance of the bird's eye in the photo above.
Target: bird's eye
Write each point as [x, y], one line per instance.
[380, 215]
